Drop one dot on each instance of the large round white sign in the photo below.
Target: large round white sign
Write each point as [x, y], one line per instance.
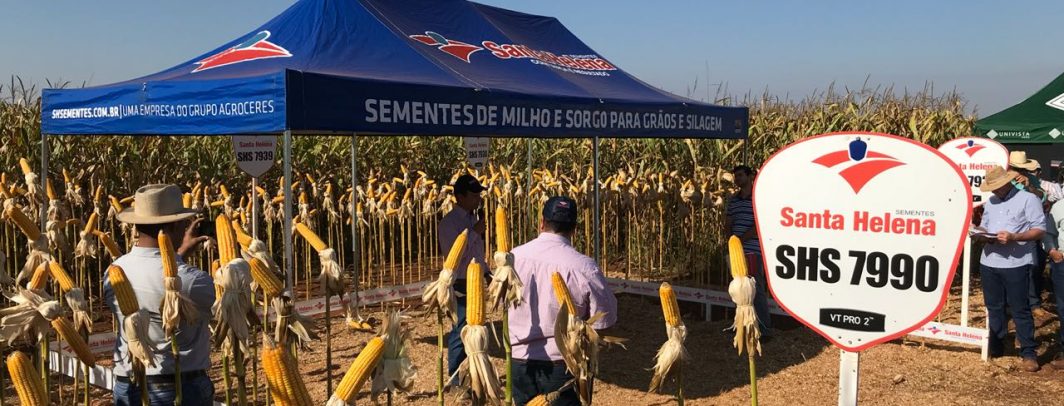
[974, 156]
[861, 233]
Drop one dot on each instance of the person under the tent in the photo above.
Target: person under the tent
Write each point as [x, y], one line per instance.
[538, 367]
[740, 223]
[159, 208]
[464, 216]
[1016, 219]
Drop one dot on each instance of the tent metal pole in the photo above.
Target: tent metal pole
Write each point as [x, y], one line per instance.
[597, 225]
[528, 189]
[287, 226]
[42, 216]
[355, 255]
[254, 207]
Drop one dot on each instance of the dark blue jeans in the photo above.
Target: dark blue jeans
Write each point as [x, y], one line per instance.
[198, 390]
[455, 350]
[1056, 276]
[764, 317]
[1037, 284]
[1008, 286]
[532, 378]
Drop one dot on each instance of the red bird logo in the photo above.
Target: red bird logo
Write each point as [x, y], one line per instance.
[868, 164]
[970, 148]
[256, 47]
[457, 49]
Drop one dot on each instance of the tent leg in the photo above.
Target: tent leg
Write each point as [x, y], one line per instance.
[528, 188]
[287, 226]
[43, 214]
[355, 258]
[595, 175]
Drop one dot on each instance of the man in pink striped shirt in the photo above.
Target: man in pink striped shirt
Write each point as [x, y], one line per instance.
[464, 216]
[538, 367]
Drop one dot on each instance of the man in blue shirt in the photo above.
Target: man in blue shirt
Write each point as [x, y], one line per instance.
[1016, 220]
[740, 223]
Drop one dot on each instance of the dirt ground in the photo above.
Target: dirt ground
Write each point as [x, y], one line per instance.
[797, 367]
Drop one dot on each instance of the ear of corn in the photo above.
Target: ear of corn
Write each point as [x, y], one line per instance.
[115, 204]
[90, 225]
[97, 196]
[286, 383]
[70, 335]
[539, 400]
[123, 290]
[311, 237]
[242, 238]
[109, 243]
[169, 256]
[360, 370]
[474, 294]
[28, 227]
[457, 249]
[669, 305]
[737, 257]
[66, 283]
[49, 190]
[561, 291]
[269, 283]
[502, 230]
[25, 165]
[39, 278]
[226, 239]
[26, 380]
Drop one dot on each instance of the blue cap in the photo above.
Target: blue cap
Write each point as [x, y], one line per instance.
[561, 209]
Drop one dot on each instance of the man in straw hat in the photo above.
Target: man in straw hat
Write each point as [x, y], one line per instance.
[1027, 177]
[158, 208]
[1013, 223]
[538, 366]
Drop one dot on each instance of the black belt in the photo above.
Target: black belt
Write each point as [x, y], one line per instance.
[167, 378]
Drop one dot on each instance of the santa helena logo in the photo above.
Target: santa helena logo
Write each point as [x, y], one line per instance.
[457, 49]
[970, 148]
[591, 64]
[859, 164]
[256, 47]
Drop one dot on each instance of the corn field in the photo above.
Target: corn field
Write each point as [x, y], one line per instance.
[662, 200]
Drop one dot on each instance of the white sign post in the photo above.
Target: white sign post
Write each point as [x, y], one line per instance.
[973, 156]
[254, 155]
[477, 150]
[861, 235]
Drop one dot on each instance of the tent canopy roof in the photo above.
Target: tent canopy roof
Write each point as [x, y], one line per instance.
[1039, 119]
[395, 67]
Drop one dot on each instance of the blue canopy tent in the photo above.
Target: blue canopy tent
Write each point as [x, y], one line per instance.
[432, 67]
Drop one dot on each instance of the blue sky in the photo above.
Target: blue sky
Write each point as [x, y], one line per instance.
[994, 52]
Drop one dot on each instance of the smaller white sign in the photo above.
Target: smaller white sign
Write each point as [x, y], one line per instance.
[477, 149]
[254, 154]
[974, 156]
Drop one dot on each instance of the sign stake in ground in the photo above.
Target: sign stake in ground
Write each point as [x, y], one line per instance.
[861, 235]
[973, 156]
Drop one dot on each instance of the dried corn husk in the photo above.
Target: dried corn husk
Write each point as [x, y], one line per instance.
[29, 317]
[231, 310]
[668, 355]
[505, 287]
[396, 372]
[439, 295]
[75, 299]
[747, 332]
[292, 327]
[476, 372]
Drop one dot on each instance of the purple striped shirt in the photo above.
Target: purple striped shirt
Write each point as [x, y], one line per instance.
[532, 323]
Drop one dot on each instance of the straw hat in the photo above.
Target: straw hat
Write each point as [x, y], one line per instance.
[156, 204]
[1018, 159]
[995, 178]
